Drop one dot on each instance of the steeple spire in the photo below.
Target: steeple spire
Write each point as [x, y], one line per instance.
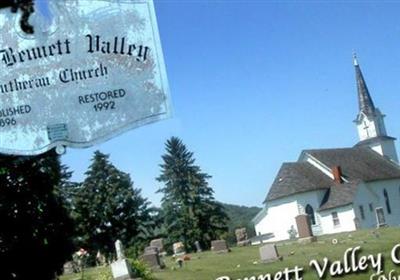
[364, 98]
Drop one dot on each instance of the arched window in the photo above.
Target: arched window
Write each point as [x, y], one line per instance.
[310, 213]
[385, 194]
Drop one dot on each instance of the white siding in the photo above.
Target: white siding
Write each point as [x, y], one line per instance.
[281, 214]
[346, 219]
[372, 192]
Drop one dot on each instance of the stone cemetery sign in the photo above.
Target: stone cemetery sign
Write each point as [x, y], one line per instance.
[268, 253]
[92, 70]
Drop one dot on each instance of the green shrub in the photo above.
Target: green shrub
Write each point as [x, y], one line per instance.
[142, 270]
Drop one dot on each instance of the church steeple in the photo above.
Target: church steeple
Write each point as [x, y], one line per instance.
[365, 102]
[370, 123]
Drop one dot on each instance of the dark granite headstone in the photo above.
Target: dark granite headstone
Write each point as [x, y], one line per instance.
[268, 253]
[151, 249]
[303, 226]
[219, 246]
[152, 259]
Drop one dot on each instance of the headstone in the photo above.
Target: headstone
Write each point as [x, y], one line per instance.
[178, 248]
[100, 259]
[121, 268]
[268, 253]
[198, 247]
[120, 250]
[304, 229]
[151, 258]
[241, 237]
[151, 249]
[241, 234]
[219, 246]
[159, 243]
[69, 267]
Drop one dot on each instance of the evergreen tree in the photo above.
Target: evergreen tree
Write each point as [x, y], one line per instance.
[189, 208]
[107, 208]
[35, 232]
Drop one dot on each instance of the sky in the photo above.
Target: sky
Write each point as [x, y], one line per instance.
[255, 82]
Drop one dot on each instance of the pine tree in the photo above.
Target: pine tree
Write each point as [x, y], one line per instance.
[190, 210]
[107, 208]
[35, 232]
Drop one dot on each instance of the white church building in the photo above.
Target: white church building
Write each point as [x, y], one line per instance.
[339, 189]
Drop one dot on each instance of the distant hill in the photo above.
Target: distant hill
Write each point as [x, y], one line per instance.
[240, 216]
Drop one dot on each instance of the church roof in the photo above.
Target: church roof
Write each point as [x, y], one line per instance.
[357, 164]
[339, 195]
[376, 139]
[364, 98]
[297, 177]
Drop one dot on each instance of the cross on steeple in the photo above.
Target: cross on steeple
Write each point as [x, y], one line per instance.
[366, 126]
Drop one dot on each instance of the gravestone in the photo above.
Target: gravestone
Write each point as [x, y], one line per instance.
[268, 253]
[69, 268]
[219, 246]
[178, 248]
[304, 229]
[198, 247]
[241, 237]
[121, 268]
[151, 257]
[159, 243]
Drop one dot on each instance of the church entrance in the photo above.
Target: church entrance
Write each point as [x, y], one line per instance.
[380, 217]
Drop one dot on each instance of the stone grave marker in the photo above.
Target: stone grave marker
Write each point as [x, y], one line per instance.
[219, 246]
[69, 267]
[159, 243]
[198, 247]
[121, 268]
[268, 253]
[304, 229]
[178, 248]
[151, 257]
[241, 237]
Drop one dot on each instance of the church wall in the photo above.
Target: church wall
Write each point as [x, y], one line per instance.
[373, 193]
[279, 218]
[281, 214]
[345, 216]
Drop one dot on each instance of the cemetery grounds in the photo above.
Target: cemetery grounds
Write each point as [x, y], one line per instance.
[244, 262]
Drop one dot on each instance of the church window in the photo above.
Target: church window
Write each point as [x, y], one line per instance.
[335, 218]
[362, 212]
[385, 194]
[310, 213]
[371, 207]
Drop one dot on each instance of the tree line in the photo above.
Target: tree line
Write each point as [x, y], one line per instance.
[44, 216]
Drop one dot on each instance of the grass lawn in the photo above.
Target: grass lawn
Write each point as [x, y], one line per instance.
[244, 262]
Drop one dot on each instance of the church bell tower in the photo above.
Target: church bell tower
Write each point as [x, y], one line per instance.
[370, 123]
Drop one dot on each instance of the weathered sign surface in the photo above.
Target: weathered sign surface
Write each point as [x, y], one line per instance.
[92, 70]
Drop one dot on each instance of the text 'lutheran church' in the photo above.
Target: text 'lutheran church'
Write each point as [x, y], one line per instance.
[339, 189]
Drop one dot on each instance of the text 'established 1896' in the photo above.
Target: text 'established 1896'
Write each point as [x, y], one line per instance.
[95, 71]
